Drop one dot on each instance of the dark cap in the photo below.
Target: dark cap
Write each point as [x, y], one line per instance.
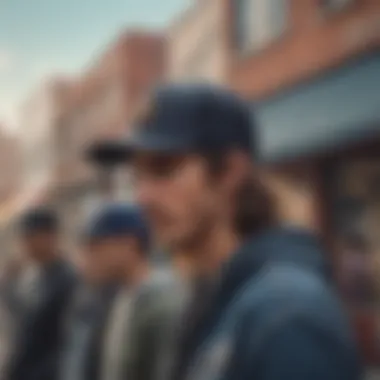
[193, 118]
[118, 220]
[39, 220]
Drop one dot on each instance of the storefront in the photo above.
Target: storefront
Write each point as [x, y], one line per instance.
[354, 203]
[333, 125]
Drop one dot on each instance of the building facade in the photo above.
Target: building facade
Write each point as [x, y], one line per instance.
[197, 48]
[28, 158]
[102, 105]
[10, 182]
[301, 39]
[309, 69]
[10, 165]
[39, 117]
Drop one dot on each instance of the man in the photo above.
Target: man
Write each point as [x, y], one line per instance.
[136, 335]
[40, 337]
[263, 306]
[89, 312]
[12, 306]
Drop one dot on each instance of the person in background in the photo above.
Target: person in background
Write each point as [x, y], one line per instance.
[12, 306]
[132, 340]
[262, 305]
[137, 344]
[10, 281]
[39, 340]
[88, 315]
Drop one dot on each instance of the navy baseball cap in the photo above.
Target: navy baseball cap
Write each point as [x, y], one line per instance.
[118, 220]
[194, 118]
[39, 220]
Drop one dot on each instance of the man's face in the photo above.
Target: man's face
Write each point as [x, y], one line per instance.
[39, 245]
[178, 197]
[105, 260]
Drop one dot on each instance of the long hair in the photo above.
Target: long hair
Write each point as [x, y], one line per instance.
[255, 206]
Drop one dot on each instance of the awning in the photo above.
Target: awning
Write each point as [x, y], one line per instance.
[332, 112]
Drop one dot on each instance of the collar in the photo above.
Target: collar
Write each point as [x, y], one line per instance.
[281, 244]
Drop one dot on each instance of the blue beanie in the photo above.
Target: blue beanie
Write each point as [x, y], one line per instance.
[119, 220]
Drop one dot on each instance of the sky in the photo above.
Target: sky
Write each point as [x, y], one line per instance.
[40, 38]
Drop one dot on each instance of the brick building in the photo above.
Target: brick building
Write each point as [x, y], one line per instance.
[28, 158]
[10, 181]
[196, 50]
[309, 37]
[10, 165]
[101, 106]
[311, 71]
[38, 123]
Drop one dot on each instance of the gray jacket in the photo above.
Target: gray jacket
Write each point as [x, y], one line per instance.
[147, 318]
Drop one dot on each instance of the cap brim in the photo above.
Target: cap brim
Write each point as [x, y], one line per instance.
[154, 143]
[106, 153]
[110, 153]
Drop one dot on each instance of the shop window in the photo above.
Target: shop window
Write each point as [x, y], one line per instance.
[356, 224]
[257, 23]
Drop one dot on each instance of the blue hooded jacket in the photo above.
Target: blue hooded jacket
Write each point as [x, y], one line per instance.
[275, 316]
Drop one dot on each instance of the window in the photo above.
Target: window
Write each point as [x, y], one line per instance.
[356, 220]
[259, 22]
